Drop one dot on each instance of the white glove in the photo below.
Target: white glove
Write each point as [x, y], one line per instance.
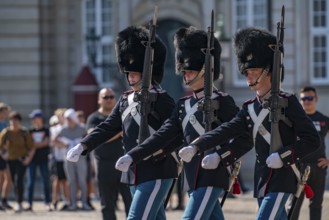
[274, 161]
[186, 153]
[74, 153]
[123, 163]
[210, 161]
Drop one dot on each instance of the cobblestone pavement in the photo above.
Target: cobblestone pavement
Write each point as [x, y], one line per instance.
[243, 207]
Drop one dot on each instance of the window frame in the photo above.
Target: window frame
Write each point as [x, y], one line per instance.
[314, 33]
[105, 40]
[238, 79]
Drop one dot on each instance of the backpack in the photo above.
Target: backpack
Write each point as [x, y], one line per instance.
[24, 134]
[4, 152]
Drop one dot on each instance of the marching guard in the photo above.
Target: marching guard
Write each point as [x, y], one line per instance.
[149, 180]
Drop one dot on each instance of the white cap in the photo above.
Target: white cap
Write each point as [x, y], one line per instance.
[53, 120]
[70, 113]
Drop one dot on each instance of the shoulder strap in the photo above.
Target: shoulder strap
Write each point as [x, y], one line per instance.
[7, 134]
[190, 117]
[258, 122]
[24, 135]
[132, 110]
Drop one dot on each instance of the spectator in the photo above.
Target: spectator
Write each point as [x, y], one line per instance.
[108, 178]
[59, 151]
[148, 176]
[40, 135]
[19, 147]
[71, 135]
[5, 180]
[317, 161]
[81, 117]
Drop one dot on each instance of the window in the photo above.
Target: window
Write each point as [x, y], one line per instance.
[319, 42]
[99, 43]
[248, 13]
[107, 69]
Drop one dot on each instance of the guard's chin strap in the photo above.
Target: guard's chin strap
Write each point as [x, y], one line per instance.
[134, 84]
[196, 78]
[264, 73]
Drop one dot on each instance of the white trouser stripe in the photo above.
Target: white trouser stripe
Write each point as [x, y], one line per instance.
[276, 206]
[204, 202]
[151, 199]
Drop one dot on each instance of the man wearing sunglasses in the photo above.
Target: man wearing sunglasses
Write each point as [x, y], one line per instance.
[318, 161]
[149, 180]
[108, 178]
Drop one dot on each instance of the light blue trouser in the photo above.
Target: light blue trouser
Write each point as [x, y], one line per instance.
[203, 204]
[272, 206]
[76, 173]
[148, 200]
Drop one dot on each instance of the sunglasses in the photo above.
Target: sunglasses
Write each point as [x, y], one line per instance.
[108, 97]
[307, 98]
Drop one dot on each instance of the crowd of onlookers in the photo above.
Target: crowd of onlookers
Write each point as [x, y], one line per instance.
[26, 151]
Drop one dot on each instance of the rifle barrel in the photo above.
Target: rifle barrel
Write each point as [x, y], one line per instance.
[276, 102]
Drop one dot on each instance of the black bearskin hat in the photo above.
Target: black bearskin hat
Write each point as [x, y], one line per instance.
[189, 43]
[252, 48]
[131, 51]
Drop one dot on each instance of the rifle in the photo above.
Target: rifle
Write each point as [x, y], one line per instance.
[207, 105]
[144, 97]
[233, 176]
[275, 102]
[300, 188]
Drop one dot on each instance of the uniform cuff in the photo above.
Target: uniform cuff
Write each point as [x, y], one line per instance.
[287, 156]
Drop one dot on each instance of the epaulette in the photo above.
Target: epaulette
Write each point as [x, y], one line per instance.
[250, 101]
[185, 97]
[157, 90]
[284, 94]
[220, 93]
[126, 93]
